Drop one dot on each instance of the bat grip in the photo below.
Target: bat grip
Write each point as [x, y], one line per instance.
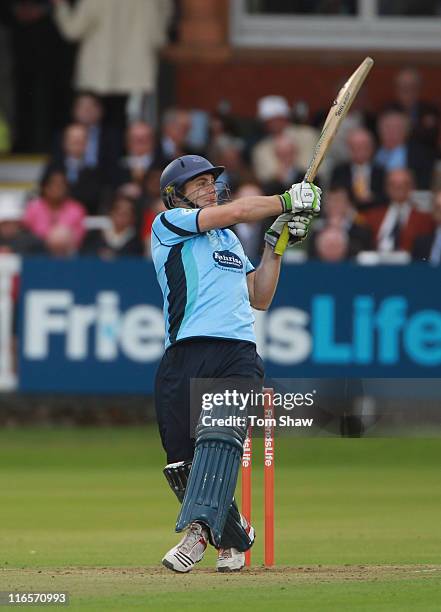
[282, 242]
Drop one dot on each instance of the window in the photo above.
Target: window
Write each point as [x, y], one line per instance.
[409, 8]
[302, 7]
[350, 24]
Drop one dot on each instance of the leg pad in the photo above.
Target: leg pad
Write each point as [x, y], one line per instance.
[234, 534]
[211, 486]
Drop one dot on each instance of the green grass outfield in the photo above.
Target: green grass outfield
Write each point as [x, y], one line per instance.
[358, 525]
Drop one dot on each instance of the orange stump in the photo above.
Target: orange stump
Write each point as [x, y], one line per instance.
[268, 469]
[246, 486]
[268, 410]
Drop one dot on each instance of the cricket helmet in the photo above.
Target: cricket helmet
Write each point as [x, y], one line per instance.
[181, 170]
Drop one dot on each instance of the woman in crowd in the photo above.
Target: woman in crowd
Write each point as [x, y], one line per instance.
[120, 237]
[54, 217]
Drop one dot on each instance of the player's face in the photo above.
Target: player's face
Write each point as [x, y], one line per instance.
[201, 191]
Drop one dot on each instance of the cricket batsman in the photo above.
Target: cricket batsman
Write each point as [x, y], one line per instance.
[209, 288]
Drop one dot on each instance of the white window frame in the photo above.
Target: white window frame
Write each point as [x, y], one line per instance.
[363, 31]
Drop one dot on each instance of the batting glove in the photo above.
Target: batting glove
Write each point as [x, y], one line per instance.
[302, 197]
[298, 226]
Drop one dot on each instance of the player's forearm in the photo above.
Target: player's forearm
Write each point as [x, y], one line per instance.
[301, 197]
[243, 210]
[266, 278]
[257, 208]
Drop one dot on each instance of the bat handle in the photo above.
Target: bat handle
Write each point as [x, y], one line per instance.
[282, 242]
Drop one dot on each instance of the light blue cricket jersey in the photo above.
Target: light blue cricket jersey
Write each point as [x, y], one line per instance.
[203, 279]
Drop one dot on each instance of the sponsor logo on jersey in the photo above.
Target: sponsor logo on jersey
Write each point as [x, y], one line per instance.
[227, 259]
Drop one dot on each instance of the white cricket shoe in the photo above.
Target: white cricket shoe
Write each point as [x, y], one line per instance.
[231, 559]
[190, 550]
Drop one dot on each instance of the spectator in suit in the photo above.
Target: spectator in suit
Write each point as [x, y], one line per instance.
[423, 117]
[339, 212]
[228, 152]
[397, 225]
[396, 151]
[361, 176]
[42, 71]
[118, 48]
[149, 195]
[141, 155]
[287, 169]
[332, 245]
[275, 116]
[85, 182]
[176, 125]
[358, 117]
[145, 198]
[221, 128]
[104, 142]
[14, 237]
[55, 217]
[428, 247]
[120, 238]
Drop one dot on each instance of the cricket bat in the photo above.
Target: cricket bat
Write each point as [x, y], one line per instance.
[336, 114]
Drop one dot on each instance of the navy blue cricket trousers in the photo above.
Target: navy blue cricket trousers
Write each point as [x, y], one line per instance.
[196, 358]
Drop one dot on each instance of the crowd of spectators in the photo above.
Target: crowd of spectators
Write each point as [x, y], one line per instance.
[52, 48]
[372, 179]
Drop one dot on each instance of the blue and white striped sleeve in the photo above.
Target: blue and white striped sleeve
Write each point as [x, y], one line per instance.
[176, 225]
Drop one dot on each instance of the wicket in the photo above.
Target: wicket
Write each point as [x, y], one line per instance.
[268, 475]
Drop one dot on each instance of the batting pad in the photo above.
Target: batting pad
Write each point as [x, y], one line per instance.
[211, 485]
[234, 534]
